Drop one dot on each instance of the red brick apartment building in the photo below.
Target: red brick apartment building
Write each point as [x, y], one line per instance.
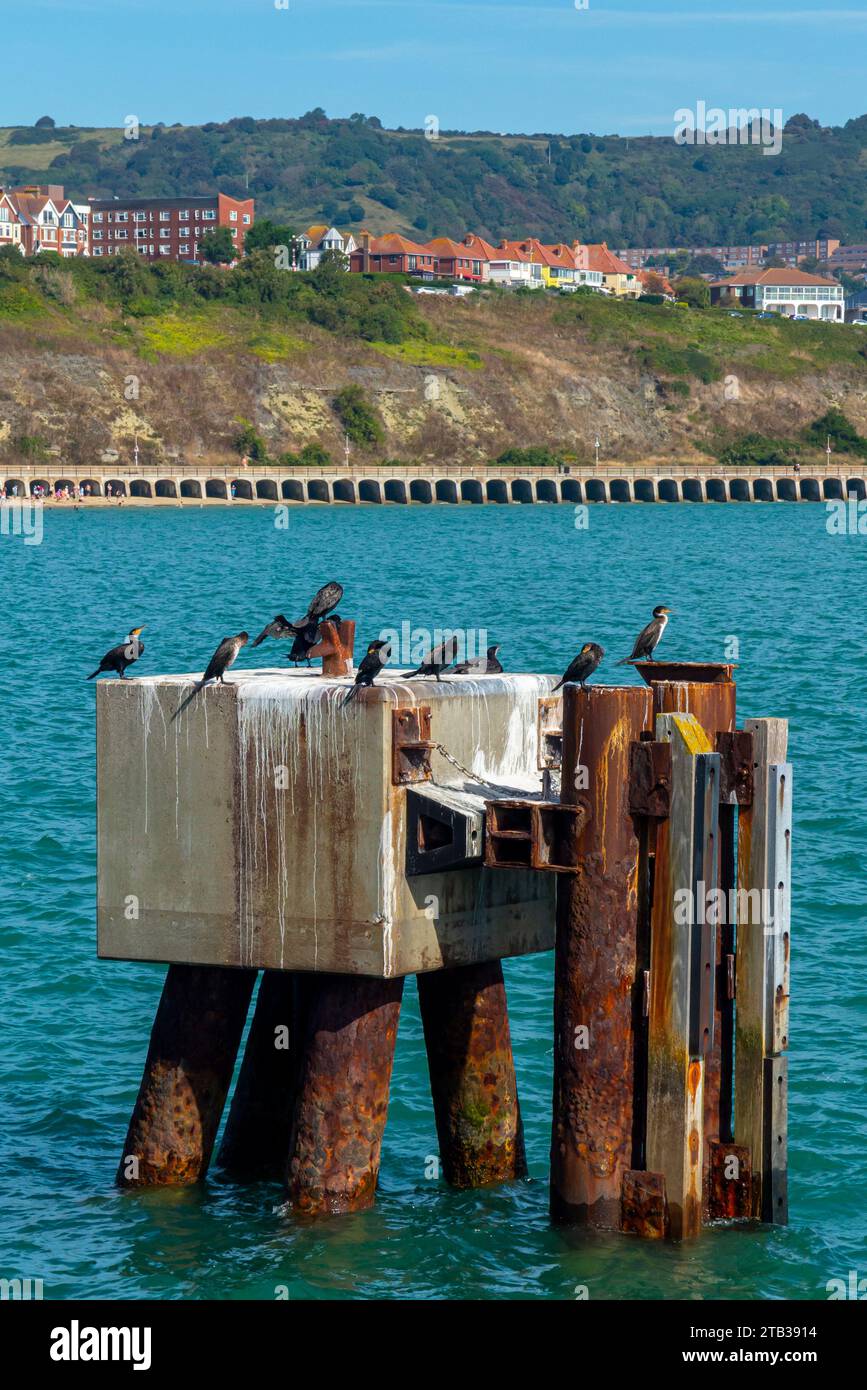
[165, 227]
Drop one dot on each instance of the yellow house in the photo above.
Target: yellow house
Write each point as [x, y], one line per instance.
[618, 278]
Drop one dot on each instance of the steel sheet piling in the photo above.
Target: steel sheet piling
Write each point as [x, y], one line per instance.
[348, 1036]
[187, 1074]
[472, 1074]
[595, 959]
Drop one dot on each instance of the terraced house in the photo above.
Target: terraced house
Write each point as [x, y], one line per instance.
[47, 221]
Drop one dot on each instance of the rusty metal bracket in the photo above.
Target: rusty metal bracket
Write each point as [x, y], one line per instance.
[650, 779]
[534, 835]
[731, 1177]
[736, 768]
[411, 745]
[643, 1206]
[550, 730]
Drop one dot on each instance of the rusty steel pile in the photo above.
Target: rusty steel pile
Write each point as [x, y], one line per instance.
[633, 829]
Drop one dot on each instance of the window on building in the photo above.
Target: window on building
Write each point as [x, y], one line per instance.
[233, 217]
[141, 217]
[165, 216]
[209, 215]
[165, 231]
[184, 215]
[97, 217]
[246, 219]
[97, 250]
[121, 236]
[165, 250]
[184, 231]
[97, 236]
[121, 217]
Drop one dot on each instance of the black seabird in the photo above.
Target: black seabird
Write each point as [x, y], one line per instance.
[217, 666]
[585, 663]
[371, 664]
[436, 661]
[122, 656]
[482, 666]
[649, 637]
[306, 631]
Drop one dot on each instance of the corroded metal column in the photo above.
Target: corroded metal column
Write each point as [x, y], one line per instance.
[348, 1034]
[256, 1139]
[713, 703]
[472, 1074]
[595, 959]
[187, 1074]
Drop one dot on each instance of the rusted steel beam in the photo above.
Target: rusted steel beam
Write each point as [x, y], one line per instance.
[736, 767]
[681, 974]
[713, 702]
[643, 1207]
[595, 960]
[650, 779]
[348, 1034]
[472, 1074]
[187, 1074]
[410, 745]
[255, 1143]
[730, 1182]
[335, 646]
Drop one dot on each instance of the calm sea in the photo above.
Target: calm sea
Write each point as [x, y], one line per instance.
[75, 1031]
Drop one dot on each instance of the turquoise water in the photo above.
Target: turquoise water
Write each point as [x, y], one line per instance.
[75, 1031]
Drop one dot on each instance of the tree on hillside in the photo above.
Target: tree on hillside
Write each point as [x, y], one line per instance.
[44, 123]
[217, 247]
[265, 235]
[358, 417]
[704, 264]
[692, 291]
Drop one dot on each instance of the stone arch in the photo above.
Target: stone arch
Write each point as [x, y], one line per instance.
[546, 490]
[164, 487]
[344, 490]
[471, 490]
[369, 491]
[292, 490]
[570, 489]
[446, 490]
[266, 490]
[420, 490]
[117, 485]
[243, 489]
[763, 490]
[668, 490]
[596, 490]
[786, 490]
[43, 483]
[69, 483]
[810, 491]
[856, 486]
[832, 489]
[191, 487]
[395, 490]
[739, 490]
[497, 490]
[620, 490]
[318, 490]
[522, 490]
[645, 490]
[140, 487]
[693, 490]
[216, 487]
[716, 490]
[94, 485]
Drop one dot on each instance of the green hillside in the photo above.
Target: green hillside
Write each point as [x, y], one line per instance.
[645, 191]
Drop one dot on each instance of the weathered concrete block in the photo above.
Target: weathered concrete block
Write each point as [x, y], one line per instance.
[262, 827]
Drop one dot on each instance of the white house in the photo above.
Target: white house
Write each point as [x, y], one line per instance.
[319, 239]
[781, 290]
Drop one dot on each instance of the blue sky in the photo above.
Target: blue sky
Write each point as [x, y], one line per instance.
[616, 66]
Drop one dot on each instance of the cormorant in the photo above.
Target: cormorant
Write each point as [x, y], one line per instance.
[648, 638]
[487, 666]
[279, 627]
[305, 631]
[217, 666]
[436, 661]
[585, 663]
[371, 664]
[122, 656]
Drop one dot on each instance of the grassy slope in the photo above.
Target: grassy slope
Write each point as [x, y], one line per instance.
[511, 371]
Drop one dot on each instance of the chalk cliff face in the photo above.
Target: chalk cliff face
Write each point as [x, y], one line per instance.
[493, 375]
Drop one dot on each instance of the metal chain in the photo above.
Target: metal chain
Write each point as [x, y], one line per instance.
[474, 776]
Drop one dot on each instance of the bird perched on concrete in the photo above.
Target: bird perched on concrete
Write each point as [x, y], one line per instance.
[217, 667]
[437, 660]
[305, 632]
[122, 656]
[649, 637]
[481, 666]
[372, 663]
[585, 663]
